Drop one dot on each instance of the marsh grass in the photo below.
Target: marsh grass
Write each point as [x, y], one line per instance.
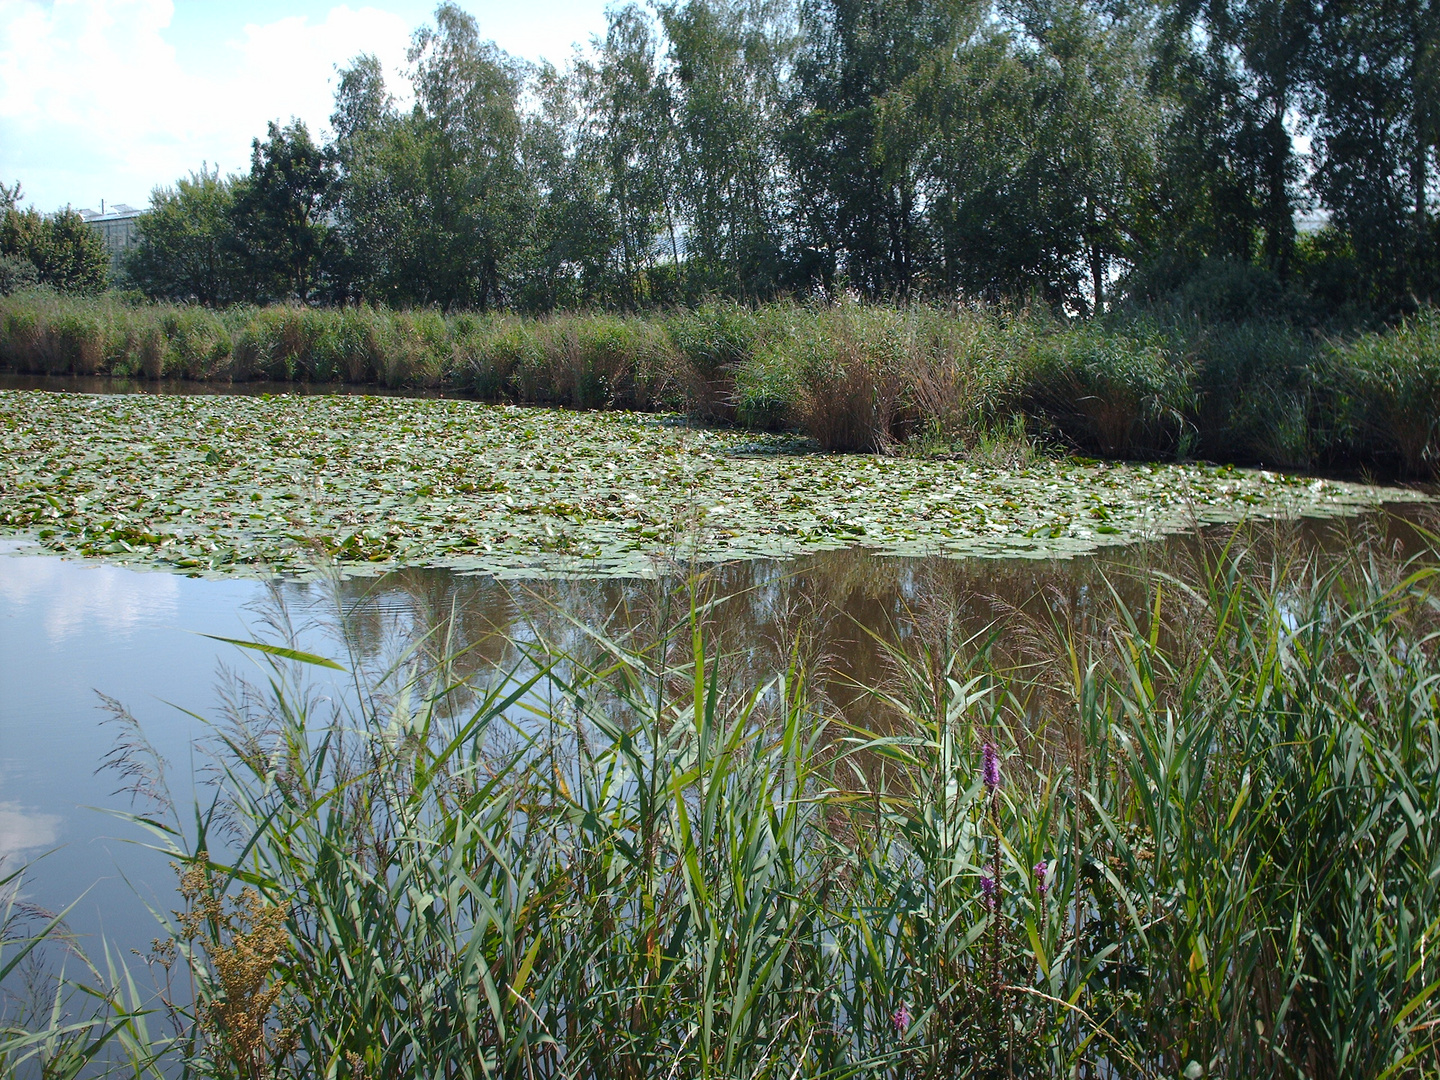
[1208, 847]
[62, 1014]
[1236, 385]
[1110, 391]
[1261, 395]
[1389, 384]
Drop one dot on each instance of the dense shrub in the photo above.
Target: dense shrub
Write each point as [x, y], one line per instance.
[965, 375]
[491, 354]
[17, 273]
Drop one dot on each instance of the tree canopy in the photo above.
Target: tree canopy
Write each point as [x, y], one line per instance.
[1070, 151]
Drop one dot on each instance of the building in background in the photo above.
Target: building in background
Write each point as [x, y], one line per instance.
[116, 227]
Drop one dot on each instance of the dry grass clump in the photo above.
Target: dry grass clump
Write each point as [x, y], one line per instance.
[847, 369]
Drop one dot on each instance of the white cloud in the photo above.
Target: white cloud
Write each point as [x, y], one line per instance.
[78, 596]
[22, 831]
[92, 92]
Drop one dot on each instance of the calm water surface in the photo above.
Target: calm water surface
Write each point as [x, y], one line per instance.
[71, 631]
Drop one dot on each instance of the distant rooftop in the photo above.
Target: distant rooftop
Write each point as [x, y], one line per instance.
[1311, 220]
[116, 212]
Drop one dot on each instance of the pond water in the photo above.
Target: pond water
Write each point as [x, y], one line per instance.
[107, 384]
[73, 630]
[76, 634]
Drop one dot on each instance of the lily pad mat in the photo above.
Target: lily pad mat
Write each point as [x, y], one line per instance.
[255, 485]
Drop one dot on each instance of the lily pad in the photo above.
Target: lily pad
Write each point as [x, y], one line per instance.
[254, 486]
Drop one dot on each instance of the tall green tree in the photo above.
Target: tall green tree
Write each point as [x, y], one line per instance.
[186, 248]
[1233, 74]
[463, 175]
[853, 144]
[373, 227]
[65, 252]
[1095, 136]
[627, 140]
[568, 260]
[1375, 106]
[728, 60]
[280, 214]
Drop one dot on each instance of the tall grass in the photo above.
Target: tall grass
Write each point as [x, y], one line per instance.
[1197, 838]
[1389, 384]
[1147, 382]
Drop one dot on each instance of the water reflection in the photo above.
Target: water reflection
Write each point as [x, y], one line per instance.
[69, 629]
[108, 597]
[23, 832]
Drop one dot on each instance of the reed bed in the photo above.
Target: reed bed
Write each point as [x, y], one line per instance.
[1199, 836]
[1145, 382]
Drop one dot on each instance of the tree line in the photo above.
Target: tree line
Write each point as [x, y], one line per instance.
[1070, 151]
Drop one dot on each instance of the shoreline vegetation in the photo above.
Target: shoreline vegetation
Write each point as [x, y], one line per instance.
[1190, 837]
[255, 485]
[851, 377]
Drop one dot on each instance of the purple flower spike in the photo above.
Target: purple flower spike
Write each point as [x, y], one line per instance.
[900, 1020]
[989, 888]
[1040, 868]
[991, 767]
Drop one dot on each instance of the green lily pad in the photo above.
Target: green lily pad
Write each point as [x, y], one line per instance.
[254, 486]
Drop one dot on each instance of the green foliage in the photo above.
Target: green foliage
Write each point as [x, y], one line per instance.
[187, 248]
[715, 341]
[1389, 384]
[1111, 391]
[432, 204]
[1074, 846]
[17, 273]
[278, 219]
[65, 252]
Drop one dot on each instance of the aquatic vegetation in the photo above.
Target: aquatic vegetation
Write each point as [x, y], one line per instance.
[1390, 385]
[1197, 837]
[1227, 383]
[253, 485]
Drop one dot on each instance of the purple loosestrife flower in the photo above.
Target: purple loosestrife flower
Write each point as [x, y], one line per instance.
[991, 767]
[1040, 868]
[900, 1020]
[990, 889]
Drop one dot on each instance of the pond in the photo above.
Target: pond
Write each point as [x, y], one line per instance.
[73, 630]
[526, 522]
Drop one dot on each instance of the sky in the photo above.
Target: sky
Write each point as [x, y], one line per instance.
[106, 99]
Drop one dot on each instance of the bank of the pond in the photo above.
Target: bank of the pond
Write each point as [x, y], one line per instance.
[1154, 382]
[286, 483]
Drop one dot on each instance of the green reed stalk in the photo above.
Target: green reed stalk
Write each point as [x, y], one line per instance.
[1197, 838]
